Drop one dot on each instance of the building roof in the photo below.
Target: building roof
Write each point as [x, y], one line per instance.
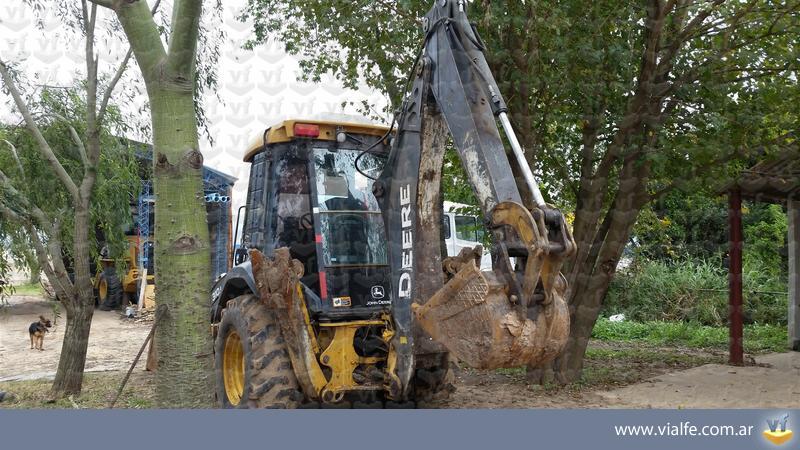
[773, 180]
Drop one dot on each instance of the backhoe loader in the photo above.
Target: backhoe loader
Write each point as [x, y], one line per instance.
[341, 296]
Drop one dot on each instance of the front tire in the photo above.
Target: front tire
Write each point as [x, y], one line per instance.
[253, 369]
[109, 289]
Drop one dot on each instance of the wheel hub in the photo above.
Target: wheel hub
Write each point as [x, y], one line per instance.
[102, 290]
[233, 368]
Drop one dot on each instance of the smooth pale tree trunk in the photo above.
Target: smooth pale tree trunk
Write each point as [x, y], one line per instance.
[184, 374]
[182, 254]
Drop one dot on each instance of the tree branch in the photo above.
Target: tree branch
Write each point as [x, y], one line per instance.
[183, 38]
[59, 281]
[29, 210]
[118, 75]
[142, 32]
[53, 266]
[104, 3]
[112, 84]
[44, 147]
[16, 158]
[91, 157]
[76, 138]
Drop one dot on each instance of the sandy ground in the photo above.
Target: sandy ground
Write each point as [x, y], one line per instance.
[496, 391]
[113, 342]
[773, 383]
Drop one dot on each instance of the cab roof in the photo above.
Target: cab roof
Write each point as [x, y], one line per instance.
[285, 132]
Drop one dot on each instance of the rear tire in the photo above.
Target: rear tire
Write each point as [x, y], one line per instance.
[266, 378]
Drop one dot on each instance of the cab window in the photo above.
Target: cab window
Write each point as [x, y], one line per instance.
[466, 228]
[350, 220]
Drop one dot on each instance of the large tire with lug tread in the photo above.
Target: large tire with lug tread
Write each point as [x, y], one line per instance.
[109, 289]
[433, 379]
[252, 365]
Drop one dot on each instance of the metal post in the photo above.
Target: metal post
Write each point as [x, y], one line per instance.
[793, 207]
[523, 163]
[736, 349]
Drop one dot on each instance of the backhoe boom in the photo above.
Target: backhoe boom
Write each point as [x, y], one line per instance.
[515, 315]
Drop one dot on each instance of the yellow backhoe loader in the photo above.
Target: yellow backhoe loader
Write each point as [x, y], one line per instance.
[341, 296]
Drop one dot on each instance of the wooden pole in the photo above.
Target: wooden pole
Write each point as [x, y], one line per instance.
[736, 349]
[143, 289]
[794, 274]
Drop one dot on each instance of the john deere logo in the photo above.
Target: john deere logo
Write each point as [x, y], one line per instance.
[377, 292]
[778, 433]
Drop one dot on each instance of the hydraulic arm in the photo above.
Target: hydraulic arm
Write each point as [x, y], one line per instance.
[516, 314]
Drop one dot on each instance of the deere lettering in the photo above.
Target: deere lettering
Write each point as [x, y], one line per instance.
[404, 285]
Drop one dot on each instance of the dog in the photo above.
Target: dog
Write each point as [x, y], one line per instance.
[37, 331]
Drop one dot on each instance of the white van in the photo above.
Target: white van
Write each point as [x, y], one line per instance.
[463, 230]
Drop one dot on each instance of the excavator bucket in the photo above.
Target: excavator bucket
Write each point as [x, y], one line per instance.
[481, 324]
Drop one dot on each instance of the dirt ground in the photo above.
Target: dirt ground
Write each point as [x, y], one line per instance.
[774, 382]
[113, 342]
[616, 375]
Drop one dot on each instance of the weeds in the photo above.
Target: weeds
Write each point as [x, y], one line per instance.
[694, 292]
[757, 338]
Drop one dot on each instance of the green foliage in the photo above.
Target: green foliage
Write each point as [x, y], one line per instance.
[565, 65]
[757, 338]
[694, 291]
[695, 225]
[117, 174]
[6, 289]
[456, 187]
[765, 231]
[682, 225]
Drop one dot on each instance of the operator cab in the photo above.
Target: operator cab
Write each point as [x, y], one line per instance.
[311, 191]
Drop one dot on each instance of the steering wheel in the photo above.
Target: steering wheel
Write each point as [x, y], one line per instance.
[307, 221]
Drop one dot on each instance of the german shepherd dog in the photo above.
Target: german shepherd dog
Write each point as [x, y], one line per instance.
[37, 331]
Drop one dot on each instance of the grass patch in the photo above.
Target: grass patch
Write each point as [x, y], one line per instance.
[640, 355]
[757, 338]
[512, 371]
[28, 289]
[614, 367]
[98, 390]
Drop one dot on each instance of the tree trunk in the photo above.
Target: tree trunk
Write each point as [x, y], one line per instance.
[183, 262]
[79, 307]
[69, 376]
[36, 275]
[594, 275]
[185, 376]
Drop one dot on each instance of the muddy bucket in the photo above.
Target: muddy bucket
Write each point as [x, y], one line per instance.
[474, 319]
